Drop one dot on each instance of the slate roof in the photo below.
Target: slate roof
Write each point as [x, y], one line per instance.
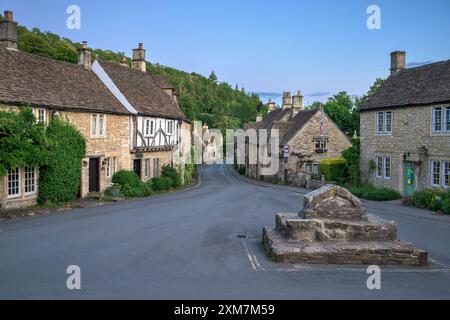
[31, 79]
[143, 91]
[282, 120]
[425, 85]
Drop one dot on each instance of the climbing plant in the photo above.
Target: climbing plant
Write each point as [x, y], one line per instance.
[60, 176]
[22, 140]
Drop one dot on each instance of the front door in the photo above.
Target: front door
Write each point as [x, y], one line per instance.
[137, 167]
[94, 175]
[409, 178]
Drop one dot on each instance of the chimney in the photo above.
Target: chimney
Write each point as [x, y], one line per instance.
[297, 102]
[259, 119]
[398, 61]
[287, 100]
[138, 61]
[124, 62]
[8, 31]
[85, 56]
[271, 106]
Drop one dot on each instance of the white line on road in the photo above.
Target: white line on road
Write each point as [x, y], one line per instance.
[252, 258]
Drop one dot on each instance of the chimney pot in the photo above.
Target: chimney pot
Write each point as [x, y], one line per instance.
[287, 100]
[398, 61]
[8, 31]
[85, 56]
[297, 102]
[8, 15]
[138, 61]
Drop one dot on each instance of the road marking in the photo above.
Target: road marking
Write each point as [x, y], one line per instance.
[252, 258]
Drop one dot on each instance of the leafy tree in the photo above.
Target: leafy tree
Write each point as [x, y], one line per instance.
[213, 77]
[22, 140]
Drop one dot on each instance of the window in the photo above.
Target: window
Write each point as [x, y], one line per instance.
[155, 167]
[308, 168]
[30, 180]
[111, 166]
[41, 115]
[388, 122]
[14, 183]
[321, 145]
[149, 127]
[380, 122]
[98, 125]
[379, 167]
[147, 167]
[447, 119]
[316, 169]
[446, 174]
[170, 127]
[384, 122]
[108, 167]
[437, 120]
[387, 167]
[435, 173]
[114, 165]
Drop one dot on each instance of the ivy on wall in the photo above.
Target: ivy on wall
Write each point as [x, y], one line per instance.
[60, 176]
[22, 140]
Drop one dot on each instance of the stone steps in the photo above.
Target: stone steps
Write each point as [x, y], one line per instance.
[327, 230]
[283, 250]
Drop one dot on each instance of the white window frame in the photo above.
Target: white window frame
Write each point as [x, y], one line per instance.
[114, 166]
[385, 168]
[447, 119]
[43, 112]
[380, 167]
[17, 172]
[435, 110]
[27, 179]
[445, 174]
[98, 126]
[170, 124]
[380, 122]
[108, 167]
[432, 171]
[386, 122]
[149, 127]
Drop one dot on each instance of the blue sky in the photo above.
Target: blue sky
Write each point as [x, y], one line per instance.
[321, 47]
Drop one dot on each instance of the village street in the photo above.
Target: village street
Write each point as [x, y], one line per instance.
[186, 246]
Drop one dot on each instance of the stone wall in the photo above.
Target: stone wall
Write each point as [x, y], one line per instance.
[115, 143]
[411, 129]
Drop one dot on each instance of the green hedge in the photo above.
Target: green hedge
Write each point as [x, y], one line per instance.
[168, 171]
[332, 168]
[130, 184]
[370, 192]
[162, 183]
[59, 178]
[432, 199]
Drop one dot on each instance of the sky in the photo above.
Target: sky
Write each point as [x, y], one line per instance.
[320, 47]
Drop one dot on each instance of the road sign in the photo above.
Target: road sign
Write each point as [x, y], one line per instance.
[286, 151]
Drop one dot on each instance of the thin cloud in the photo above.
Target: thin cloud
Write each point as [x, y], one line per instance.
[319, 94]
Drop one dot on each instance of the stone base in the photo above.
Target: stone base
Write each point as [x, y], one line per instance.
[283, 250]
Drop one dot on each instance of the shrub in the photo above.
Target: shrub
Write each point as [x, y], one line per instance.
[352, 172]
[370, 192]
[124, 177]
[59, 179]
[241, 170]
[170, 172]
[162, 183]
[332, 168]
[445, 206]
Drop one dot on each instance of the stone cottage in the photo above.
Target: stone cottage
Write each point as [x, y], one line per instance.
[130, 118]
[405, 128]
[305, 138]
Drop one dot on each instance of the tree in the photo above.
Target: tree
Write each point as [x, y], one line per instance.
[22, 140]
[213, 77]
[375, 86]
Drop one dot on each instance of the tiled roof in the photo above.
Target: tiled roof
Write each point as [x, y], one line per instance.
[143, 91]
[29, 78]
[425, 85]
